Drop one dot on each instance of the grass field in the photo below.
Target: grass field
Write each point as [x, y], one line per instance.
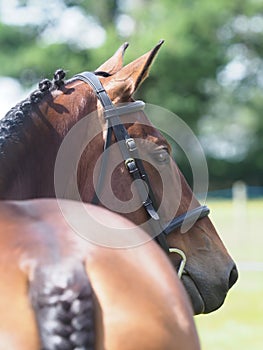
[238, 324]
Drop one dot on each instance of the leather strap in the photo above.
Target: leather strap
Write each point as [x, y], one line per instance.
[132, 161]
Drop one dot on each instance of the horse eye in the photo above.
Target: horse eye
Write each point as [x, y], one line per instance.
[161, 156]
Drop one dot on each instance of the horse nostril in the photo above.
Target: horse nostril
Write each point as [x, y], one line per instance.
[233, 277]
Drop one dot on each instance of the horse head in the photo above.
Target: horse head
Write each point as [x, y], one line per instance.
[209, 272]
[135, 167]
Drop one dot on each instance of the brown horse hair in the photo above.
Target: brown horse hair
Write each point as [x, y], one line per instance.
[64, 310]
[16, 121]
[17, 115]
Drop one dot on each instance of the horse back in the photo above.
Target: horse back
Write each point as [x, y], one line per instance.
[51, 276]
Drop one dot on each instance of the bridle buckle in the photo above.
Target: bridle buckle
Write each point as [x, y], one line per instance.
[130, 164]
[131, 145]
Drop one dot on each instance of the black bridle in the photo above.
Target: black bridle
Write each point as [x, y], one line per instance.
[133, 163]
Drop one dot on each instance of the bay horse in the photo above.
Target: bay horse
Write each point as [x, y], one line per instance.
[33, 133]
[59, 291]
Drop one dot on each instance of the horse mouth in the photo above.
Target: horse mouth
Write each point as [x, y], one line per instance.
[193, 292]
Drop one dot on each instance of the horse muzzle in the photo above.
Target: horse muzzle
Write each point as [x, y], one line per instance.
[206, 296]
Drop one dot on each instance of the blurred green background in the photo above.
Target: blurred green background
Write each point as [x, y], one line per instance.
[237, 325]
[209, 72]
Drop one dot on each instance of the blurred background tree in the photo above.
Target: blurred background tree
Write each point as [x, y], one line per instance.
[209, 72]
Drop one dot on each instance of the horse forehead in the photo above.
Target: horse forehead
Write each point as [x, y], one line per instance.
[146, 132]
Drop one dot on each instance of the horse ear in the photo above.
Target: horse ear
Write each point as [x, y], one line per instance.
[115, 63]
[133, 74]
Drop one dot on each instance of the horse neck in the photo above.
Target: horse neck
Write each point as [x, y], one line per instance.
[31, 136]
[27, 148]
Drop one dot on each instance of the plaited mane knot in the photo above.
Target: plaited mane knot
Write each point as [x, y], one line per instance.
[59, 75]
[64, 308]
[44, 85]
[25, 106]
[36, 96]
[19, 114]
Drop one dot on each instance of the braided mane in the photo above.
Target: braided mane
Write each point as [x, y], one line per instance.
[18, 115]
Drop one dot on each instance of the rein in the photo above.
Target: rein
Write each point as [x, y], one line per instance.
[135, 167]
